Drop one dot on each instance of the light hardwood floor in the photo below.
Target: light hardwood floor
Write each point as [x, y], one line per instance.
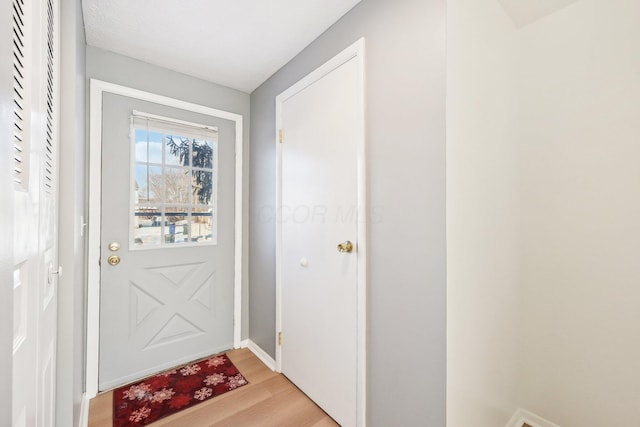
[269, 400]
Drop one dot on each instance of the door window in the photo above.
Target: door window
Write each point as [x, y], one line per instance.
[173, 183]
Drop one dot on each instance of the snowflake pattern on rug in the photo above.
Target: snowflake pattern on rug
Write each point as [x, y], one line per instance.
[156, 397]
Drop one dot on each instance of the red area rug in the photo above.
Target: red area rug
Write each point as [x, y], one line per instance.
[157, 397]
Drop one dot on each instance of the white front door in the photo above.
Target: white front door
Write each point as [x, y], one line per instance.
[322, 238]
[35, 278]
[167, 238]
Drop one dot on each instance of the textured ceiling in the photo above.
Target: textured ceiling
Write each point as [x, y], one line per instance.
[235, 43]
[524, 12]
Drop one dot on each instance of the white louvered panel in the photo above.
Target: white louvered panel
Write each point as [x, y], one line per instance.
[50, 158]
[20, 98]
[35, 60]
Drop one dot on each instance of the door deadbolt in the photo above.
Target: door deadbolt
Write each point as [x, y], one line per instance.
[114, 246]
[113, 260]
[345, 247]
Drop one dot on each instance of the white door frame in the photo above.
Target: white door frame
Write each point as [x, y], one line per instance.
[354, 52]
[98, 88]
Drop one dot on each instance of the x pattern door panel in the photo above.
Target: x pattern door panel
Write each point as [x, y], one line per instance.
[169, 304]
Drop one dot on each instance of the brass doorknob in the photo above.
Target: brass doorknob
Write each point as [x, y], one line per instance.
[345, 247]
[113, 260]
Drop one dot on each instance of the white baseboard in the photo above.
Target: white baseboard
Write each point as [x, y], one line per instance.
[521, 417]
[84, 411]
[261, 354]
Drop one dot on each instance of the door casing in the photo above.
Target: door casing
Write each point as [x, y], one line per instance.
[354, 52]
[97, 89]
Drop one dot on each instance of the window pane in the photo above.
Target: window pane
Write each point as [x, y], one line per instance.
[148, 183]
[141, 146]
[202, 225]
[176, 228]
[140, 185]
[155, 147]
[203, 154]
[176, 185]
[155, 184]
[202, 183]
[177, 150]
[146, 226]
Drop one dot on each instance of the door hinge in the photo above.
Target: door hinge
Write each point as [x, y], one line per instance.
[281, 133]
[279, 338]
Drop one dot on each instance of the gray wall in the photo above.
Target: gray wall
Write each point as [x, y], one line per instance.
[6, 212]
[405, 127]
[71, 289]
[114, 68]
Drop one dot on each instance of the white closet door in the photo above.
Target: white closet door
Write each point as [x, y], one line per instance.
[322, 245]
[35, 141]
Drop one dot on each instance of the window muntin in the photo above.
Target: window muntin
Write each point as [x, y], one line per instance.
[174, 184]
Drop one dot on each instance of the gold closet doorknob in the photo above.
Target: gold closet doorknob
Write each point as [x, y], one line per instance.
[113, 260]
[345, 247]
